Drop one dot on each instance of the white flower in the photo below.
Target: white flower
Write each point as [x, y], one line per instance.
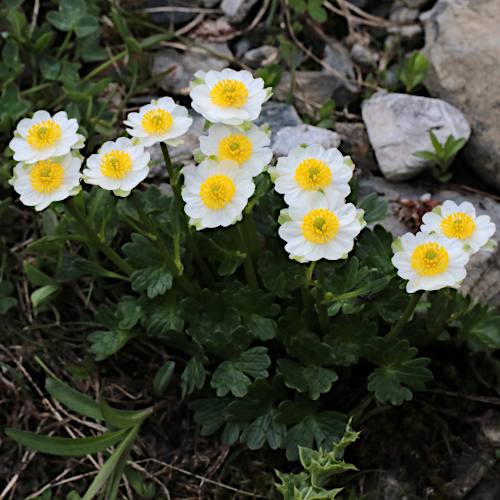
[42, 137]
[429, 261]
[216, 193]
[160, 121]
[228, 96]
[461, 222]
[321, 227]
[118, 166]
[305, 171]
[45, 181]
[248, 149]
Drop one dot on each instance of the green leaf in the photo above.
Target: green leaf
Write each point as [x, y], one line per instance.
[89, 267]
[193, 376]
[123, 419]
[262, 429]
[13, 4]
[233, 375]
[73, 399]
[426, 155]
[219, 247]
[396, 367]
[271, 74]
[105, 343]
[43, 294]
[347, 338]
[480, 328]
[18, 22]
[375, 208]
[318, 14]
[76, 447]
[133, 45]
[152, 274]
[314, 380]
[278, 272]
[49, 67]
[37, 277]
[85, 26]
[10, 53]
[58, 20]
[43, 42]
[373, 249]
[327, 109]
[163, 377]
[210, 413]
[6, 302]
[11, 102]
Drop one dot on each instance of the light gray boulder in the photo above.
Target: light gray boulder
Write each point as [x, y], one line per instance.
[278, 115]
[463, 43]
[237, 10]
[398, 125]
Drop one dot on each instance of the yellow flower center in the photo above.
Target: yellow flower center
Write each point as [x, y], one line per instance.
[312, 174]
[116, 164]
[235, 147]
[46, 176]
[429, 259]
[216, 191]
[44, 134]
[229, 93]
[320, 225]
[458, 225]
[157, 122]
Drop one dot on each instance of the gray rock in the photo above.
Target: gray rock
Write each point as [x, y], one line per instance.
[278, 115]
[415, 4]
[355, 143]
[290, 137]
[487, 489]
[186, 64]
[462, 43]
[483, 269]
[255, 58]
[168, 18]
[210, 4]
[313, 87]
[180, 154]
[338, 58]
[410, 32]
[237, 10]
[364, 56]
[398, 125]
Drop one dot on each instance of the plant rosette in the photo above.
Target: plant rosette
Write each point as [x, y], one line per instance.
[119, 166]
[307, 170]
[429, 261]
[216, 193]
[160, 121]
[45, 181]
[45, 136]
[460, 222]
[249, 149]
[230, 97]
[322, 227]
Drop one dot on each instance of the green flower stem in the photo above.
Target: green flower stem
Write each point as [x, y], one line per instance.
[65, 43]
[306, 292]
[247, 263]
[167, 256]
[174, 178]
[442, 323]
[94, 238]
[252, 237]
[310, 270]
[322, 310]
[398, 327]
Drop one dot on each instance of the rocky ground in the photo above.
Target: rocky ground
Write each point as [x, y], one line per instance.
[442, 445]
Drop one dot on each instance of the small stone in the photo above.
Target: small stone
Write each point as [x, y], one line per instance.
[355, 143]
[168, 18]
[483, 268]
[278, 115]
[410, 32]
[210, 4]
[338, 58]
[291, 137]
[462, 42]
[185, 64]
[364, 56]
[237, 10]
[415, 4]
[398, 125]
[211, 31]
[261, 56]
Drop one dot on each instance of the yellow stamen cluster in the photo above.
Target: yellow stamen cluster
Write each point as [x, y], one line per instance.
[235, 147]
[116, 164]
[320, 226]
[157, 121]
[44, 134]
[458, 225]
[216, 191]
[229, 93]
[429, 259]
[46, 176]
[312, 174]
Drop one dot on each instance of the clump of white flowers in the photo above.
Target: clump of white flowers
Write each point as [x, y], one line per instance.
[436, 256]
